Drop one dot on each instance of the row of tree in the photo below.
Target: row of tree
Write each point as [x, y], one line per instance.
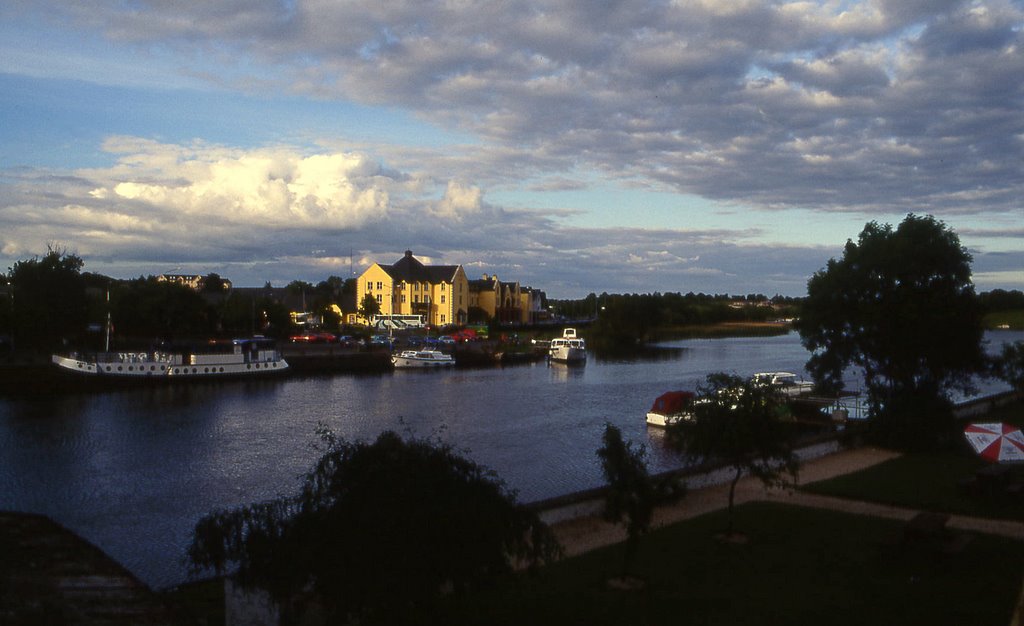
[49, 303]
[381, 532]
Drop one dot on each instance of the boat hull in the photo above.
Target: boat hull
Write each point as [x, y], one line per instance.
[565, 354]
[569, 348]
[246, 359]
[422, 360]
[155, 370]
[664, 421]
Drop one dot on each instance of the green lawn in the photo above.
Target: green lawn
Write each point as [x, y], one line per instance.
[932, 481]
[800, 566]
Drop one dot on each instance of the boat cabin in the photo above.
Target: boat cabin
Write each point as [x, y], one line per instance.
[673, 402]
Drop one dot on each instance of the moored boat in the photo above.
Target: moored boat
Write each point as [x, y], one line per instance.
[785, 383]
[236, 358]
[671, 407]
[410, 359]
[569, 348]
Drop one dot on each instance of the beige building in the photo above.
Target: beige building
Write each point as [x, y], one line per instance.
[508, 302]
[435, 294]
[193, 281]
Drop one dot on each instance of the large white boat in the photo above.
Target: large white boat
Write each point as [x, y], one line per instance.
[408, 359]
[219, 359]
[671, 407]
[785, 383]
[569, 348]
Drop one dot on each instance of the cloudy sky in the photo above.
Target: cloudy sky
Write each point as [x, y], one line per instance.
[576, 145]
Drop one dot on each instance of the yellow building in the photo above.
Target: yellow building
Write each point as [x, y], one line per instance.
[507, 302]
[437, 294]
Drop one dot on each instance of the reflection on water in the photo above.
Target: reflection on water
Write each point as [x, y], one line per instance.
[133, 470]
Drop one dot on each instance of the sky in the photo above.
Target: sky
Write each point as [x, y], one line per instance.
[575, 146]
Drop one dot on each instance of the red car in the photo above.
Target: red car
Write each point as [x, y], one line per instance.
[313, 337]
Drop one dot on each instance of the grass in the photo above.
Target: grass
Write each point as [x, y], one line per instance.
[924, 481]
[799, 566]
[932, 481]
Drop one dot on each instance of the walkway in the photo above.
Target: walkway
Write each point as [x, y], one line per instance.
[588, 533]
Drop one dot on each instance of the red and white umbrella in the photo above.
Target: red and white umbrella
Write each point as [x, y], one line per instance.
[996, 442]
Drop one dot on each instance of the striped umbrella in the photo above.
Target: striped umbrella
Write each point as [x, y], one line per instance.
[996, 442]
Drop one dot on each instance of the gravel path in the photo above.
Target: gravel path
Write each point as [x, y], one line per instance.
[588, 533]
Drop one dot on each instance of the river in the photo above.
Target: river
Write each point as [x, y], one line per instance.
[133, 470]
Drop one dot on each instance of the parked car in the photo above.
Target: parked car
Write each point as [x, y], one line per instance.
[313, 337]
[348, 341]
[382, 340]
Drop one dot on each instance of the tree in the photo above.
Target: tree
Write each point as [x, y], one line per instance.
[368, 307]
[1009, 365]
[49, 302]
[632, 493]
[213, 283]
[737, 422]
[377, 529]
[146, 309]
[899, 305]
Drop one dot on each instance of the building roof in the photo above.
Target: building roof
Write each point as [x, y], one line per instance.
[51, 575]
[411, 270]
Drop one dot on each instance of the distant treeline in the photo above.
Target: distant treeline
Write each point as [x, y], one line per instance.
[48, 303]
[633, 318]
[1001, 300]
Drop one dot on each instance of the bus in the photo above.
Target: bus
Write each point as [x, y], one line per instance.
[396, 321]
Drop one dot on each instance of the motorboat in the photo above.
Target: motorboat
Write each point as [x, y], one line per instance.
[250, 357]
[671, 407]
[569, 348]
[409, 359]
[785, 383]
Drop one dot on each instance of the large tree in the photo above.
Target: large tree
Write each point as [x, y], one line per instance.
[368, 307]
[378, 530]
[48, 300]
[737, 422]
[632, 493]
[900, 306]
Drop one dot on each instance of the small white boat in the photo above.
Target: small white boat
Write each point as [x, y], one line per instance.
[422, 359]
[569, 348]
[671, 407]
[237, 358]
[785, 383]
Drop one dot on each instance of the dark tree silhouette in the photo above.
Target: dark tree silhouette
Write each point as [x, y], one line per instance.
[1010, 364]
[378, 530]
[737, 422]
[900, 305]
[368, 307]
[48, 301]
[632, 492]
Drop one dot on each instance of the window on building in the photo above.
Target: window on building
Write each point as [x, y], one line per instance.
[416, 299]
[369, 286]
[403, 298]
[442, 299]
[442, 286]
[380, 285]
[379, 299]
[442, 319]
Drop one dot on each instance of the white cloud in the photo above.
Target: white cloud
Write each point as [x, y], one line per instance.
[861, 107]
[273, 188]
[459, 201]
